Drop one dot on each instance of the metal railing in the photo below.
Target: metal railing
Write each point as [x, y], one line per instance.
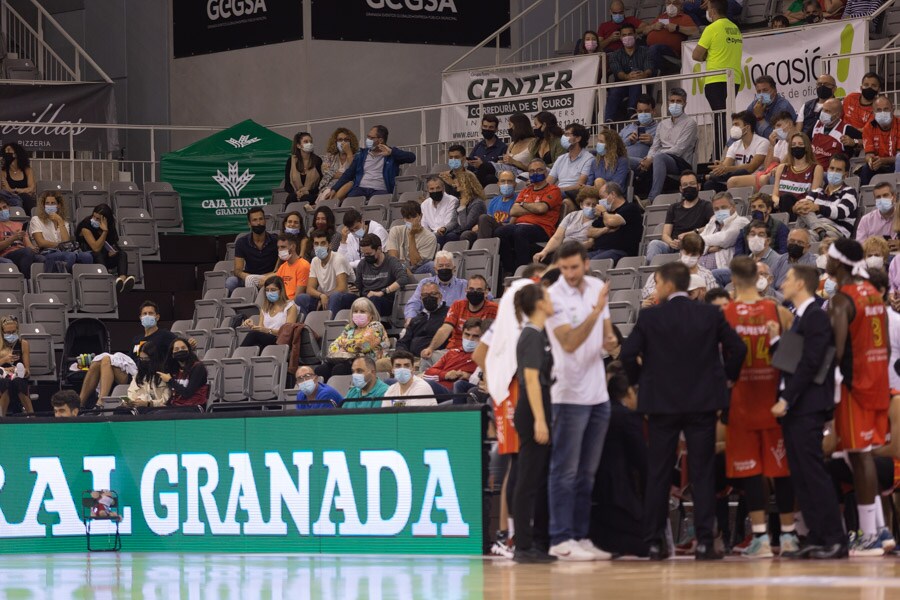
[885, 62]
[565, 29]
[494, 38]
[28, 40]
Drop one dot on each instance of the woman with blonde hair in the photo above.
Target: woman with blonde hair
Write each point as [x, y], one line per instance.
[797, 176]
[612, 161]
[876, 252]
[364, 335]
[15, 362]
[303, 170]
[342, 145]
[277, 310]
[51, 232]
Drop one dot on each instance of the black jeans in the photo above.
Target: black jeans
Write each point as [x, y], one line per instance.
[518, 244]
[717, 96]
[117, 263]
[720, 183]
[334, 366]
[530, 506]
[260, 339]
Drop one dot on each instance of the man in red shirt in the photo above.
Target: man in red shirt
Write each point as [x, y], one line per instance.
[457, 365]
[858, 105]
[536, 211]
[881, 140]
[665, 34]
[474, 305]
[832, 134]
[608, 32]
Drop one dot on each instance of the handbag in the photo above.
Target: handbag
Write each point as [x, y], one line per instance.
[69, 246]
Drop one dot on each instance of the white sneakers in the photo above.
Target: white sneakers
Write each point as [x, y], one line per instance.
[581, 551]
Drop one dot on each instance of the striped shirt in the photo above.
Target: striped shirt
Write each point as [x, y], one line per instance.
[860, 8]
[840, 207]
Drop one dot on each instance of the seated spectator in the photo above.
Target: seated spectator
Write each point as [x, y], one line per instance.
[881, 141]
[374, 168]
[799, 175]
[697, 287]
[629, 63]
[342, 146]
[311, 393]
[858, 105]
[303, 171]
[422, 327]
[412, 243]
[292, 224]
[857, 9]
[277, 309]
[329, 275]
[536, 213]
[147, 389]
[638, 135]
[745, 155]
[457, 365]
[366, 384]
[618, 228]
[323, 220]
[378, 276]
[575, 225]
[407, 384]
[468, 215]
[696, 10]
[15, 244]
[15, 361]
[768, 103]
[798, 253]
[497, 210]
[353, 231]
[18, 177]
[610, 32]
[438, 210]
[254, 255]
[521, 141]
[692, 248]
[688, 216]
[809, 113]
[96, 234]
[760, 244]
[459, 182]
[108, 370]
[186, 376]
[672, 151]
[779, 22]
[812, 12]
[65, 404]
[547, 143]
[611, 164]
[877, 253]
[451, 287]
[665, 34]
[721, 233]
[764, 283]
[831, 134]
[879, 222]
[364, 335]
[830, 211]
[778, 151]
[589, 43]
[294, 271]
[475, 305]
[761, 208]
[52, 234]
[570, 171]
[489, 150]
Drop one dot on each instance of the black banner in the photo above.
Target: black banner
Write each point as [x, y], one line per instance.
[55, 111]
[207, 26]
[444, 22]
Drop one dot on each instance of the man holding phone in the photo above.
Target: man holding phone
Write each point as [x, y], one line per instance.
[489, 150]
[638, 136]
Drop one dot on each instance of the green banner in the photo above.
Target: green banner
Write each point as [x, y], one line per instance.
[222, 176]
[373, 482]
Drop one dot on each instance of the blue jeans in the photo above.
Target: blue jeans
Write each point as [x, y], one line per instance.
[336, 302]
[426, 267]
[723, 276]
[615, 255]
[658, 247]
[658, 52]
[579, 433]
[70, 258]
[367, 192]
[614, 98]
[663, 166]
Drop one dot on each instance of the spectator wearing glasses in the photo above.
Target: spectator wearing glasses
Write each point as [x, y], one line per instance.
[374, 168]
[342, 146]
[311, 393]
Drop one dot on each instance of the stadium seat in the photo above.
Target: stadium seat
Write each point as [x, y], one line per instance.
[164, 204]
[215, 294]
[356, 202]
[269, 373]
[213, 375]
[126, 194]
[89, 194]
[781, 216]
[42, 358]
[661, 259]
[625, 329]
[59, 284]
[11, 281]
[632, 297]
[140, 228]
[414, 195]
[666, 199]
[17, 214]
[207, 309]
[47, 310]
[602, 265]
[400, 300]
[20, 68]
[247, 294]
[95, 290]
[236, 374]
[215, 279]
[405, 184]
[622, 312]
[223, 337]
[456, 246]
[491, 190]
[630, 262]
[484, 259]
[341, 383]
[43, 185]
[315, 321]
[135, 262]
[12, 305]
[182, 326]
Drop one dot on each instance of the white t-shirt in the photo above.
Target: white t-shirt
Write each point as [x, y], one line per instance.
[350, 249]
[50, 230]
[419, 387]
[575, 226]
[580, 375]
[742, 155]
[441, 215]
[780, 151]
[280, 318]
[326, 275]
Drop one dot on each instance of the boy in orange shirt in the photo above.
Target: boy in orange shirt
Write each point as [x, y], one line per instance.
[293, 269]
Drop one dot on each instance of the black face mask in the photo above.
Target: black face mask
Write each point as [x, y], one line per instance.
[812, 19]
[475, 298]
[869, 94]
[371, 259]
[9, 158]
[795, 251]
[538, 132]
[824, 93]
[445, 275]
[690, 193]
[798, 152]
[181, 356]
[488, 134]
[758, 215]
[436, 196]
[430, 303]
[258, 229]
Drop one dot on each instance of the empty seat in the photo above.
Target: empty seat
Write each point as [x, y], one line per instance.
[207, 309]
[215, 294]
[140, 228]
[236, 374]
[59, 284]
[341, 383]
[269, 373]
[135, 264]
[11, 305]
[247, 294]
[42, 359]
[165, 205]
[47, 310]
[484, 259]
[126, 194]
[20, 68]
[11, 281]
[356, 202]
[44, 185]
[95, 290]
[89, 194]
[18, 214]
[181, 326]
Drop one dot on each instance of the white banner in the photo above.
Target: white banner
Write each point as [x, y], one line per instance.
[500, 90]
[793, 57]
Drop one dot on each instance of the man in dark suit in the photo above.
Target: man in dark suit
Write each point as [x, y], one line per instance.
[804, 408]
[683, 383]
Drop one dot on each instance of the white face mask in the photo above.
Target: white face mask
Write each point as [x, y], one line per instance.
[689, 261]
[762, 284]
[284, 254]
[821, 261]
[875, 262]
[736, 132]
[671, 10]
[756, 244]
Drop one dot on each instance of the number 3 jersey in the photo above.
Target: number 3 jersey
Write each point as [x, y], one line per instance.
[868, 379]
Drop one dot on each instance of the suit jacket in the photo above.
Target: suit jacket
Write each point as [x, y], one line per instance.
[683, 370]
[802, 395]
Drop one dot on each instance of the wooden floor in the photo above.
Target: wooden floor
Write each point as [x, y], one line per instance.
[297, 577]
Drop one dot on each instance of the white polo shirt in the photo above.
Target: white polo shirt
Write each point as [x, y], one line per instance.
[580, 375]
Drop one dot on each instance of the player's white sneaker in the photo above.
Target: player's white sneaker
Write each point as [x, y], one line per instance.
[570, 550]
[588, 546]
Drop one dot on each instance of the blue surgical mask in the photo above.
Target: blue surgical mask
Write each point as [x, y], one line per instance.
[644, 118]
[292, 230]
[51, 209]
[566, 142]
[605, 203]
[601, 148]
[370, 143]
[454, 163]
[588, 212]
[469, 346]
[782, 134]
[360, 232]
[402, 374]
[507, 190]
[148, 321]
[307, 387]
[721, 215]
[95, 223]
[4, 214]
[825, 118]
[408, 225]
[11, 338]
[765, 98]
[884, 118]
[676, 109]
[537, 177]
[834, 178]
[358, 380]
[618, 18]
[884, 204]
[321, 252]
[273, 296]
[830, 287]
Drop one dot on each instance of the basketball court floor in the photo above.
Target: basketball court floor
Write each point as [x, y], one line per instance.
[295, 577]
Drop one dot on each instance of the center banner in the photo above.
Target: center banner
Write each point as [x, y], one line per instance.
[500, 91]
[793, 58]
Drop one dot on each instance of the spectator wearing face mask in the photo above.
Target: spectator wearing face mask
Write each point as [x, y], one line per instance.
[880, 222]
[303, 171]
[575, 225]
[329, 275]
[745, 155]
[778, 150]
[610, 32]
[809, 113]
[665, 34]
[421, 328]
[832, 134]
[682, 218]
[489, 150]
[277, 309]
[374, 168]
[692, 248]
[379, 276]
[638, 135]
[761, 208]
[629, 63]
[412, 243]
[476, 305]
[353, 231]
[497, 213]
[797, 254]
[589, 43]
[877, 253]
[618, 226]
[186, 377]
[881, 140]
[830, 211]
[760, 244]
[768, 103]
[797, 176]
[721, 233]
[451, 287]
[457, 365]
[858, 106]
[672, 151]
[439, 211]
[365, 384]
[459, 182]
[364, 335]
[407, 384]
[312, 393]
[294, 270]
[611, 164]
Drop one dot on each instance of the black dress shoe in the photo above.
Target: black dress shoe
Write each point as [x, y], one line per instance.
[830, 552]
[658, 552]
[803, 553]
[707, 552]
[532, 556]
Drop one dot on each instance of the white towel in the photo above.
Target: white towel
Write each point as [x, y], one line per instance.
[500, 362]
[121, 361]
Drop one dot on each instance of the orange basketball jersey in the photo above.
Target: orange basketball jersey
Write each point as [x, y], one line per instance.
[869, 345]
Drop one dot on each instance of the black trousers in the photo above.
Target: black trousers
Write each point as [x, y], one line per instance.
[717, 96]
[260, 339]
[700, 434]
[114, 264]
[531, 513]
[812, 483]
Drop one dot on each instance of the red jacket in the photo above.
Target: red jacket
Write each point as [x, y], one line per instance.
[453, 360]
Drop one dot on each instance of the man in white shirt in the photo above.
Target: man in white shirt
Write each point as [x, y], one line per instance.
[744, 156]
[407, 383]
[721, 234]
[329, 274]
[439, 210]
[353, 230]
[571, 170]
[578, 331]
